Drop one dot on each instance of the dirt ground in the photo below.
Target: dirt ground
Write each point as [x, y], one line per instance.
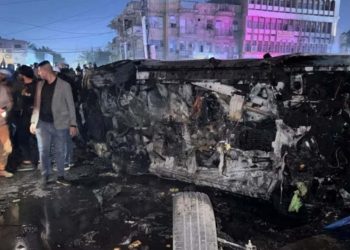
[102, 210]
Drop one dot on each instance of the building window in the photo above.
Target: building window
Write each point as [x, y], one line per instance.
[304, 4]
[316, 4]
[319, 27]
[261, 23]
[18, 46]
[273, 23]
[307, 26]
[155, 22]
[313, 27]
[249, 22]
[172, 46]
[255, 22]
[321, 4]
[285, 24]
[332, 5]
[277, 46]
[299, 4]
[265, 47]
[288, 48]
[329, 31]
[201, 48]
[182, 46]
[210, 25]
[279, 24]
[172, 22]
[210, 47]
[327, 5]
[254, 47]
[310, 4]
[267, 23]
[294, 3]
[235, 26]
[247, 47]
[260, 46]
[282, 47]
[292, 48]
[303, 25]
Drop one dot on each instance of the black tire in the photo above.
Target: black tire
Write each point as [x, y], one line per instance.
[194, 226]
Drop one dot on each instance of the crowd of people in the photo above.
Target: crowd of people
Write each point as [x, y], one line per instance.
[38, 119]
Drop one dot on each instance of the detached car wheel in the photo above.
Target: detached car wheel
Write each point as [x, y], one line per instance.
[194, 226]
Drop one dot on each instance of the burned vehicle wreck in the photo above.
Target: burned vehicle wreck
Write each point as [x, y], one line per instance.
[254, 127]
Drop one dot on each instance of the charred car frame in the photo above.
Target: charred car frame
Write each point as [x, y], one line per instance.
[254, 127]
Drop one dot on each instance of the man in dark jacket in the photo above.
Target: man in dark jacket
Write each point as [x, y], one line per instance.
[27, 142]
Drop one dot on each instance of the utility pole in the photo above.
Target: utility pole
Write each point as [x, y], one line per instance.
[125, 40]
[144, 36]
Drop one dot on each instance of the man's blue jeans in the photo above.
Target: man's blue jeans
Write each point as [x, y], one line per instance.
[47, 134]
[68, 150]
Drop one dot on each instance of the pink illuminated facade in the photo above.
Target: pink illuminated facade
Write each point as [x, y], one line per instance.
[187, 29]
[289, 26]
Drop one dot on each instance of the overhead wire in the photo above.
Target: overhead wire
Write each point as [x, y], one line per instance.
[80, 16]
[67, 38]
[52, 29]
[21, 2]
[62, 51]
[57, 21]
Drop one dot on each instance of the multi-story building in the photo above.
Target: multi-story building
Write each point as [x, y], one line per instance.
[129, 42]
[179, 29]
[12, 51]
[290, 26]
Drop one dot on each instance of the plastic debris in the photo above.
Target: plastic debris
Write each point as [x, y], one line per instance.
[346, 196]
[296, 202]
[338, 224]
[250, 246]
[135, 244]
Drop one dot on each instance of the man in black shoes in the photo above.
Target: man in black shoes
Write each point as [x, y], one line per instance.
[52, 119]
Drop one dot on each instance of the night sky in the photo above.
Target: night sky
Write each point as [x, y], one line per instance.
[72, 26]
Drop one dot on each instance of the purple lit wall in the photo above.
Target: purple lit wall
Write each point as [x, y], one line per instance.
[278, 28]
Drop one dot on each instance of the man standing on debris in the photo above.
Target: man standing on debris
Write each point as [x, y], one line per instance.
[5, 105]
[53, 117]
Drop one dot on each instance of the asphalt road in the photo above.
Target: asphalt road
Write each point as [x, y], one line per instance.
[101, 210]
